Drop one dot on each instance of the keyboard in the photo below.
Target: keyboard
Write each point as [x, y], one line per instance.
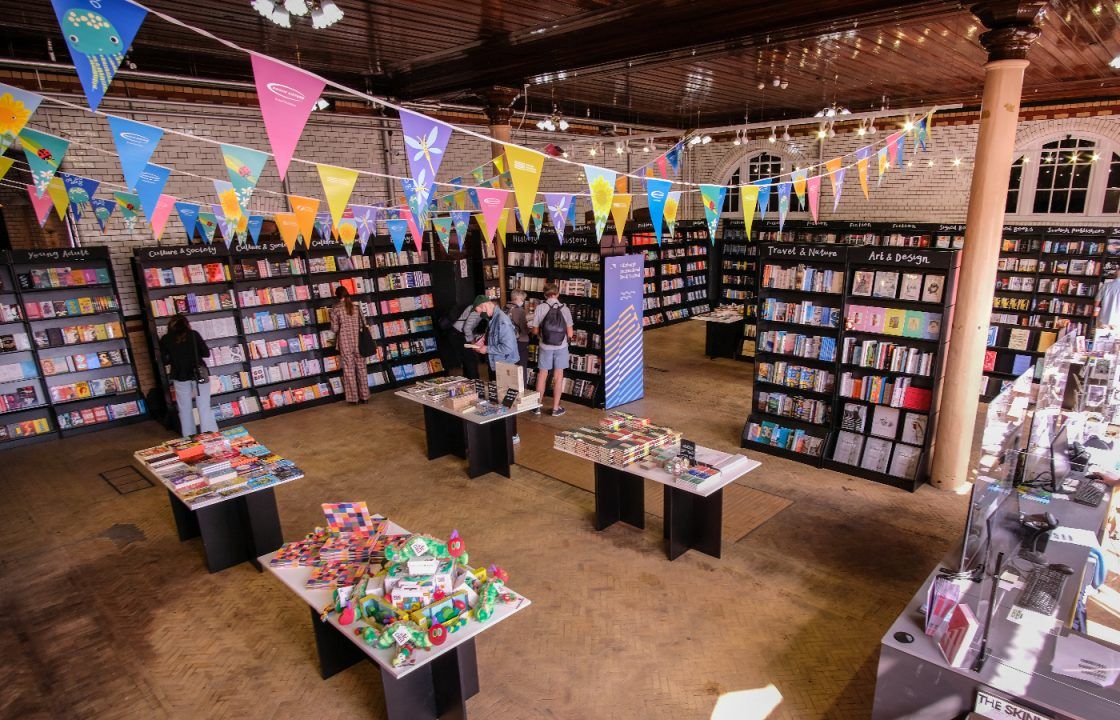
[1043, 590]
[1089, 493]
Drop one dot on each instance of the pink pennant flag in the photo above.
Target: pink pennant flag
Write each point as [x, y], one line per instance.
[286, 95]
[417, 235]
[892, 147]
[813, 182]
[162, 211]
[661, 167]
[492, 201]
[42, 204]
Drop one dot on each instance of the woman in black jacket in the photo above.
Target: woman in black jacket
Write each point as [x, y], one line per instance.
[183, 349]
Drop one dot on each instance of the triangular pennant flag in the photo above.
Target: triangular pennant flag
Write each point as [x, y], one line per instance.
[479, 174]
[416, 196]
[601, 183]
[323, 225]
[425, 141]
[160, 213]
[763, 197]
[712, 197]
[814, 184]
[286, 95]
[461, 219]
[558, 205]
[884, 164]
[893, 148]
[254, 225]
[135, 143]
[620, 210]
[783, 203]
[5, 166]
[102, 211]
[674, 157]
[129, 204]
[657, 192]
[499, 163]
[207, 224]
[16, 108]
[671, 204]
[44, 154]
[304, 209]
[225, 225]
[79, 189]
[661, 167]
[861, 169]
[928, 127]
[415, 228]
[288, 227]
[572, 212]
[56, 189]
[338, 183]
[538, 215]
[443, 232]
[487, 236]
[150, 186]
[798, 176]
[920, 133]
[835, 178]
[41, 203]
[244, 166]
[229, 206]
[98, 35]
[748, 200]
[366, 217]
[188, 216]
[347, 231]
[503, 226]
[525, 167]
[397, 230]
[900, 152]
[491, 201]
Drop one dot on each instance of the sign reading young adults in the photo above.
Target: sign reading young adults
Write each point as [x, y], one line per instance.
[622, 341]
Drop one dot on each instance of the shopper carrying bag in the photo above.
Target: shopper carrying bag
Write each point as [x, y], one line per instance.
[182, 350]
[349, 328]
[552, 322]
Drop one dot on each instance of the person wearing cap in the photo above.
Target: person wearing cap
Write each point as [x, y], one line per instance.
[500, 341]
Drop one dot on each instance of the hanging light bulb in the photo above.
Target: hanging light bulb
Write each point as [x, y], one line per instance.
[297, 7]
[871, 129]
[822, 133]
[694, 140]
[956, 162]
[785, 134]
[592, 152]
[738, 138]
[619, 148]
[831, 130]
[862, 129]
[706, 139]
[908, 125]
[563, 124]
[773, 134]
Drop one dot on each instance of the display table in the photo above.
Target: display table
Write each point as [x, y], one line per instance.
[723, 336]
[915, 681]
[693, 513]
[437, 685]
[486, 442]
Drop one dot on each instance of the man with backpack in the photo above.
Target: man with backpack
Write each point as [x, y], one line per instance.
[552, 322]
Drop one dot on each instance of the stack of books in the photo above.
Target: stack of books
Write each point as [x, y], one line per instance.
[619, 439]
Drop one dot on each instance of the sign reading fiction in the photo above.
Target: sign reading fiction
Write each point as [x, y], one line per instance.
[998, 708]
[622, 337]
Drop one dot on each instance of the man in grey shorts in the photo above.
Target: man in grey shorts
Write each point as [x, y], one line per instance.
[552, 323]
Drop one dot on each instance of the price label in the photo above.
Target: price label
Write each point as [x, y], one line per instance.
[423, 566]
[401, 636]
[688, 450]
[418, 546]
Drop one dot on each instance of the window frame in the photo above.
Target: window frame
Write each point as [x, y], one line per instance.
[1104, 147]
[742, 167]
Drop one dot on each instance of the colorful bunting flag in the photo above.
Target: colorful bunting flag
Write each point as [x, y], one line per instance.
[244, 166]
[135, 143]
[814, 185]
[674, 157]
[56, 189]
[338, 184]
[416, 196]
[129, 204]
[920, 133]
[798, 176]
[538, 215]
[499, 163]
[443, 232]
[881, 156]
[102, 211]
[572, 212]
[461, 219]
[763, 197]
[862, 155]
[159, 215]
[620, 210]
[525, 167]
[289, 228]
[491, 201]
[254, 225]
[712, 197]
[893, 148]
[347, 231]
[16, 108]
[80, 190]
[323, 225]
[748, 200]
[150, 186]
[5, 166]
[657, 192]
[397, 230]
[228, 204]
[416, 228]
[900, 152]
[425, 141]
[304, 209]
[44, 154]
[836, 171]
[41, 204]
[188, 216]
[783, 203]
[98, 35]
[503, 225]
[558, 205]
[286, 95]
[601, 183]
[207, 224]
[671, 204]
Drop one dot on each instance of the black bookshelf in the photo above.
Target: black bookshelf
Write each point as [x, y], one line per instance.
[677, 272]
[737, 279]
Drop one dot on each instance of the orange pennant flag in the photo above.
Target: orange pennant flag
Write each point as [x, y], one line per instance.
[304, 209]
[620, 210]
[832, 166]
[861, 170]
[288, 226]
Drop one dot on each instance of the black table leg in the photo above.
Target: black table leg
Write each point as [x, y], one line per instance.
[693, 522]
[618, 496]
[490, 447]
[224, 534]
[722, 339]
[185, 521]
[336, 651]
[440, 689]
[444, 434]
[262, 524]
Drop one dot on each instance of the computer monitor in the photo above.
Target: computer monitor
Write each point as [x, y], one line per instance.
[1047, 464]
[1004, 531]
[984, 503]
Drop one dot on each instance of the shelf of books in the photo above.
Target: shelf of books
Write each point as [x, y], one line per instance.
[676, 272]
[265, 316]
[1047, 280]
[576, 266]
[738, 279]
[897, 307]
[69, 367]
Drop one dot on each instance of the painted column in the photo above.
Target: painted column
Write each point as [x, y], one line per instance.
[499, 111]
[1012, 30]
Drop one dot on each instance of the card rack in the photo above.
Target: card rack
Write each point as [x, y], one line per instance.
[738, 278]
[67, 364]
[264, 314]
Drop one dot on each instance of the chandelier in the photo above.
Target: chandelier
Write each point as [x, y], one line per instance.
[324, 13]
[553, 123]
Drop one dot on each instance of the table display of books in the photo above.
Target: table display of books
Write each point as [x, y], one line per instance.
[403, 592]
[462, 395]
[214, 466]
[619, 439]
[722, 314]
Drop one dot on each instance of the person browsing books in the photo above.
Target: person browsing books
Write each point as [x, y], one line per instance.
[182, 350]
[1108, 303]
[516, 312]
[465, 331]
[347, 324]
[500, 341]
[552, 322]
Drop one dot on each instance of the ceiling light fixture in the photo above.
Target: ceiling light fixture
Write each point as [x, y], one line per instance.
[822, 133]
[738, 138]
[1114, 63]
[773, 134]
[956, 162]
[832, 130]
[908, 125]
[321, 104]
[324, 13]
[784, 85]
[619, 148]
[705, 140]
[862, 129]
[871, 129]
[762, 85]
[785, 135]
[776, 82]
[591, 152]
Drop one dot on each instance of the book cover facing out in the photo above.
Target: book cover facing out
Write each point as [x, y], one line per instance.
[622, 339]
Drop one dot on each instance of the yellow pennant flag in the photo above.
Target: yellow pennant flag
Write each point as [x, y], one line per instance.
[5, 165]
[304, 210]
[487, 236]
[503, 223]
[525, 172]
[833, 166]
[861, 170]
[799, 184]
[288, 227]
[748, 199]
[460, 199]
[231, 206]
[61, 199]
[243, 223]
[338, 183]
[500, 162]
[884, 163]
[620, 209]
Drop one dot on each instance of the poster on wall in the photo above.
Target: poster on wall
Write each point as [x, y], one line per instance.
[622, 342]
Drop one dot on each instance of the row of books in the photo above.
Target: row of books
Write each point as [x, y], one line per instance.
[338, 263]
[1016, 364]
[585, 339]
[573, 387]
[796, 376]
[528, 283]
[193, 274]
[100, 414]
[23, 397]
[572, 260]
[264, 321]
[696, 267]
[885, 421]
[76, 334]
[249, 269]
[804, 278]
[10, 313]
[356, 285]
[894, 321]
[226, 355]
[88, 305]
[795, 406]
[1020, 338]
[368, 309]
[14, 342]
[913, 286]
[785, 342]
[420, 346]
[227, 382]
[63, 364]
[292, 370]
[618, 439]
[1073, 247]
[260, 349]
[234, 408]
[16, 371]
[1071, 267]
[1017, 264]
[533, 258]
[877, 455]
[671, 269]
[62, 277]
[805, 312]
[403, 281]
[579, 287]
[190, 303]
[408, 371]
[294, 396]
[883, 355]
[393, 328]
[590, 364]
[407, 304]
[256, 297]
[674, 284]
[775, 435]
[24, 429]
[1015, 283]
[1063, 307]
[884, 390]
[92, 388]
[210, 328]
[395, 259]
[1065, 286]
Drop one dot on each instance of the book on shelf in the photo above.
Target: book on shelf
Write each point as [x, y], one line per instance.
[904, 461]
[863, 281]
[884, 421]
[876, 454]
[933, 289]
[914, 428]
[886, 284]
[854, 417]
[911, 287]
[849, 446]
[1019, 339]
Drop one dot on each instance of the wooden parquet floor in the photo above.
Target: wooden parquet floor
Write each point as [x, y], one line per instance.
[105, 614]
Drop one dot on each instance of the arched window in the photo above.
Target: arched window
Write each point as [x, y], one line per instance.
[1112, 186]
[732, 204]
[1066, 176]
[755, 167]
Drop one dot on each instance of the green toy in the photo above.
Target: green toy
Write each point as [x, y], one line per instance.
[487, 598]
[408, 636]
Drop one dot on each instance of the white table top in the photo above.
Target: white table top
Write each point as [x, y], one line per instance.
[153, 475]
[468, 416]
[721, 319]
[296, 580]
[738, 466]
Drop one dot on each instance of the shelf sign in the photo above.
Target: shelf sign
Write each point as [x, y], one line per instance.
[180, 252]
[804, 252]
[622, 337]
[60, 254]
[1090, 231]
[922, 258]
[998, 708]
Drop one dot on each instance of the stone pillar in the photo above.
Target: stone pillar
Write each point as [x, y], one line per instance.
[1012, 28]
[498, 113]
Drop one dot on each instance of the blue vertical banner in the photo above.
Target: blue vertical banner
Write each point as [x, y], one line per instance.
[622, 346]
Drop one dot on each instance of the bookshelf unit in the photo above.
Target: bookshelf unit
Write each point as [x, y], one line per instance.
[737, 280]
[677, 272]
